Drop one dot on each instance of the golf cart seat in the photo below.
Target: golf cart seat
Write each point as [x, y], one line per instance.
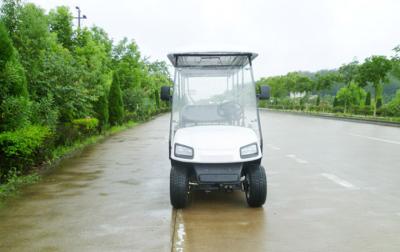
[195, 114]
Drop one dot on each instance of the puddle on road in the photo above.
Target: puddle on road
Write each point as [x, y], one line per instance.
[214, 218]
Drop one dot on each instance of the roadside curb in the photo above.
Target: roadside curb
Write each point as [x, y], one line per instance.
[335, 117]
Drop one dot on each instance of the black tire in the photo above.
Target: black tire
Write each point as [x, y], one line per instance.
[179, 187]
[256, 186]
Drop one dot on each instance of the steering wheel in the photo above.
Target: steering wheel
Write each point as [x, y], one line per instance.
[230, 110]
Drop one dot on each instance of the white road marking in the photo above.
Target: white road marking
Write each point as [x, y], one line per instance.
[376, 139]
[301, 161]
[298, 160]
[273, 147]
[180, 232]
[339, 181]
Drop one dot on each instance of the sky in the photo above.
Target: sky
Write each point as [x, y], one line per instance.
[288, 35]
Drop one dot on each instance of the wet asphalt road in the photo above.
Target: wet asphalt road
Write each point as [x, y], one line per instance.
[332, 186]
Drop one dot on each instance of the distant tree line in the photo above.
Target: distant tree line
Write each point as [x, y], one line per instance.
[368, 88]
[59, 85]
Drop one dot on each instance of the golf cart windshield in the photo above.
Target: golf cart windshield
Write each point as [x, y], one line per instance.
[214, 90]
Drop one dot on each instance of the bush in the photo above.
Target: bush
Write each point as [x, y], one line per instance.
[15, 112]
[367, 110]
[23, 148]
[338, 109]
[45, 112]
[78, 129]
[86, 126]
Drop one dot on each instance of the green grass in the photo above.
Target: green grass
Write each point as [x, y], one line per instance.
[15, 182]
[61, 151]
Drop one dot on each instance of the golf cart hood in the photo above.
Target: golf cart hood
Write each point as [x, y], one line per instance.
[215, 143]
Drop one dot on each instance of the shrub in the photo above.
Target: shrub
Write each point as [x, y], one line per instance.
[366, 110]
[86, 126]
[44, 112]
[338, 109]
[15, 112]
[24, 147]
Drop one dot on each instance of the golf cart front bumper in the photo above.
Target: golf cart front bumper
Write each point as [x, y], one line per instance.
[215, 176]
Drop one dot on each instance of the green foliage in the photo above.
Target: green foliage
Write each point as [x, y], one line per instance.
[6, 47]
[15, 113]
[86, 123]
[60, 21]
[23, 147]
[394, 105]
[44, 112]
[52, 76]
[349, 72]
[375, 71]
[31, 39]
[14, 180]
[101, 110]
[335, 102]
[350, 96]
[24, 141]
[12, 75]
[368, 99]
[115, 103]
[325, 79]
[10, 11]
[85, 126]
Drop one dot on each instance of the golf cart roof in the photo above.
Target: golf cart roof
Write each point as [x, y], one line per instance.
[211, 59]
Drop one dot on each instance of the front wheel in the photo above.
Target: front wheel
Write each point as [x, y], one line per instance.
[255, 185]
[179, 187]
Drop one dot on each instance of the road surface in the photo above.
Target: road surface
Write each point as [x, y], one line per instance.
[332, 186]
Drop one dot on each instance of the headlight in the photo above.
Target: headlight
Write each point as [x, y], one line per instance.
[248, 151]
[183, 151]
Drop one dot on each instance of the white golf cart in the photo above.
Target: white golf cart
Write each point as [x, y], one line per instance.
[215, 138]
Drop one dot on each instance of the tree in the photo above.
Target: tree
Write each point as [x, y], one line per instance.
[6, 47]
[368, 99]
[335, 102]
[325, 79]
[101, 110]
[32, 39]
[60, 21]
[375, 70]
[349, 72]
[115, 103]
[10, 11]
[396, 62]
[350, 95]
[12, 74]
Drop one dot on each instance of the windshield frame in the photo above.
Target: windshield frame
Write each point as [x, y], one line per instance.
[248, 64]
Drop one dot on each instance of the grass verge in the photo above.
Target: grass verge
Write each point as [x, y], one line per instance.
[17, 181]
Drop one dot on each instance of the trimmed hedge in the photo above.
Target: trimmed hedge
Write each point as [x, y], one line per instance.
[22, 148]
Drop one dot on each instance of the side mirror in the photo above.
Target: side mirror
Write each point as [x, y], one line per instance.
[165, 93]
[265, 93]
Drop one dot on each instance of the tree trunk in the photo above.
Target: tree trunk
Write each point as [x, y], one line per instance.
[377, 95]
